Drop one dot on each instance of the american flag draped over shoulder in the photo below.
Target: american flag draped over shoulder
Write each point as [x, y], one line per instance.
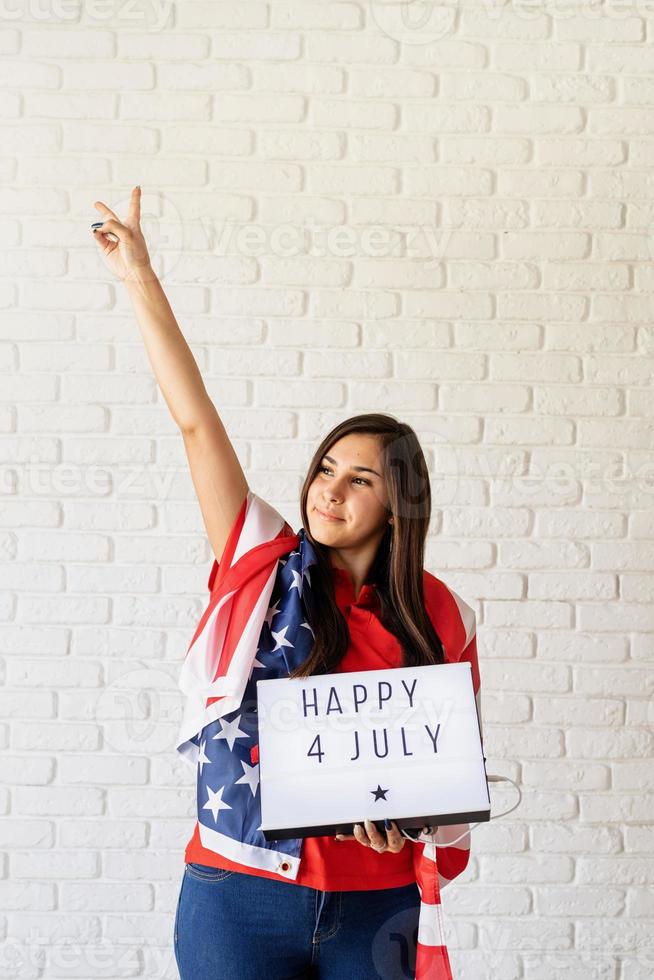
[258, 624]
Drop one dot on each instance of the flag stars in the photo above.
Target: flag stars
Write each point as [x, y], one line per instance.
[250, 777]
[297, 581]
[272, 612]
[202, 757]
[230, 731]
[215, 802]
[280, 640]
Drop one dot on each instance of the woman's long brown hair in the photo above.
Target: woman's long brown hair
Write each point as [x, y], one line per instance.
[397, 574]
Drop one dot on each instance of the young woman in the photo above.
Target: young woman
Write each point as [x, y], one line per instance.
[347, 592]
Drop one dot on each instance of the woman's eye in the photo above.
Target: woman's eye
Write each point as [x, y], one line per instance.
[366, 483]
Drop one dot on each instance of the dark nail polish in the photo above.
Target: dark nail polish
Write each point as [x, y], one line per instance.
[387, 824]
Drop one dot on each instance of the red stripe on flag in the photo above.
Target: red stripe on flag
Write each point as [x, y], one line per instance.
[248, 578]
[452, 861]
[432, 963]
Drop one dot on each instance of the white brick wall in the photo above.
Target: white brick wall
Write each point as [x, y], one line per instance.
[449, 218]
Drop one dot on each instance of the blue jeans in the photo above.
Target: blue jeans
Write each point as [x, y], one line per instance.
[235, 926]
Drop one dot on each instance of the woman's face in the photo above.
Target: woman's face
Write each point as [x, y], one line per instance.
[357, 498]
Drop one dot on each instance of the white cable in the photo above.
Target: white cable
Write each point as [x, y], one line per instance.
[491, 779]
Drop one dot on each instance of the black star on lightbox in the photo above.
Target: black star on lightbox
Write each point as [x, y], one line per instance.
[380, 794]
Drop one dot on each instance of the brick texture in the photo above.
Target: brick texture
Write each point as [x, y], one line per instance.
[351, 209]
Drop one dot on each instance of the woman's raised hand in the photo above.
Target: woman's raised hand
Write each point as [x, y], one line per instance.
[127, 257]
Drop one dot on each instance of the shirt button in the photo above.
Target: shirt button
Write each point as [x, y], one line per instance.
[285, 866]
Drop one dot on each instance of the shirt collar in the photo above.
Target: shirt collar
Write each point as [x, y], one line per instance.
[344, 590]
[343, 584]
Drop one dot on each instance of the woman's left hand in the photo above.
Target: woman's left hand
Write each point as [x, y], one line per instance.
[368, 835]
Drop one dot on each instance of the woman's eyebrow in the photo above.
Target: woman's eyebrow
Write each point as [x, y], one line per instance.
[357, 469]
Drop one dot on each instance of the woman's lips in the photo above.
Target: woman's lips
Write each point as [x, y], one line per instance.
[327, 517]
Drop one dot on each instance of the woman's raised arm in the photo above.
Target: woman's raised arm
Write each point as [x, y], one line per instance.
[217, 475]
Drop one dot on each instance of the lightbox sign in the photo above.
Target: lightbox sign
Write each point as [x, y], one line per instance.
[402, 743]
